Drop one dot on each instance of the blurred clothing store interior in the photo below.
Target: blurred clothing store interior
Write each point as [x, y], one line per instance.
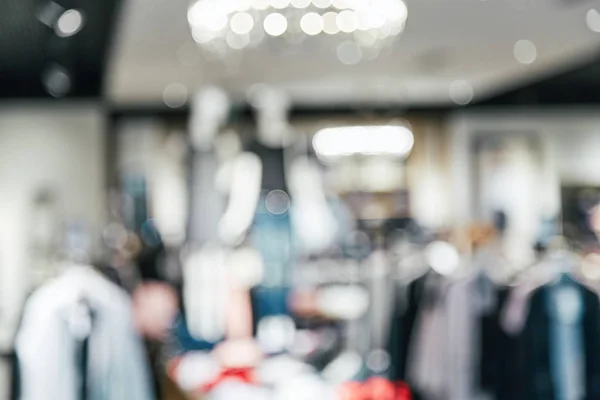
[299, 200]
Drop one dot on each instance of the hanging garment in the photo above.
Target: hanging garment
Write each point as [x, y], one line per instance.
[407, 299]
[471, 336]
[48, 343]
[207, 203]
[374, 389]
[271, 231]
[455, 350]
[272, 237]
[498, 352]
[561, 354]
[271, 234]
[565, 309]
[516, 309]
[427, 358]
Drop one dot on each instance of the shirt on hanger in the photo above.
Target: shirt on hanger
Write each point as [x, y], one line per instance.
[49, 339]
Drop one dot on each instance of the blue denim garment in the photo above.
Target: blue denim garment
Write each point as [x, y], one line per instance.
[269, 301]
[271, 235]
[181, 340]
[567, 360]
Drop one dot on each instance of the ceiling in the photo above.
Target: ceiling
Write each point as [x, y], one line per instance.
[28, 47]
[444, 41]
[579, 84]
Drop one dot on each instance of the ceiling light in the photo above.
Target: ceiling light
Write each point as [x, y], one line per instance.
[275, 24]
[207, 16]
[243, 5]
[400, 10]
[322, 3]
[57, 81]
[341, 4]
[300, 3]
[375, 18]
[260, 4]
[393, 140]
[214, 25]
[330, 23]
[69, 23]
[280, 4]
[49, 13]
[175, 95]
[592, 18]
[347, 21]
[242, 23]
[525, 52]
[312, 24]
[461, 92]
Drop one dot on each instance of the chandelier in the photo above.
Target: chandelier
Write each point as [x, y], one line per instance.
[355, 30]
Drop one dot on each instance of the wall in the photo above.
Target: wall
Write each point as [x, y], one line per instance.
[40, 145]
[570, 142]
[425, 174]
[569, 145]
[428, 174]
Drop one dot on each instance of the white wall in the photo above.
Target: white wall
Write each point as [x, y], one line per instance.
[570, 155]
[44, 145]
[578, 154]
[570, 146]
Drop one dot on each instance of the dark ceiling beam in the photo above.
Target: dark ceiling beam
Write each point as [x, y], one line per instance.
[28, 48]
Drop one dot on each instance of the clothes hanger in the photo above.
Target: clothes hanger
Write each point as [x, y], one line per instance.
[204, 283]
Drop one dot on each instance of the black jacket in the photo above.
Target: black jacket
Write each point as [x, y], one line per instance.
[535, 348]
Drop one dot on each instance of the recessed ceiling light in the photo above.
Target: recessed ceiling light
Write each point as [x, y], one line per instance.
[322, 3]
[275, 24]
[592, 19]
[525, 52]
[280, 4]
[330, 23]
[461, 92]
[300, 3]
[57, 81]
[175, 95]
[242, 23]
[312, 23]
[347, 21]
[69, 23]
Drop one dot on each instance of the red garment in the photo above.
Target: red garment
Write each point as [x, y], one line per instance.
[374, 389]
[244, 375]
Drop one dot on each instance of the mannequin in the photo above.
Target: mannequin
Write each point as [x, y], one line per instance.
[297, 172]
[259, 203]
[211, 108]
[247, 203]
[204, 290]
